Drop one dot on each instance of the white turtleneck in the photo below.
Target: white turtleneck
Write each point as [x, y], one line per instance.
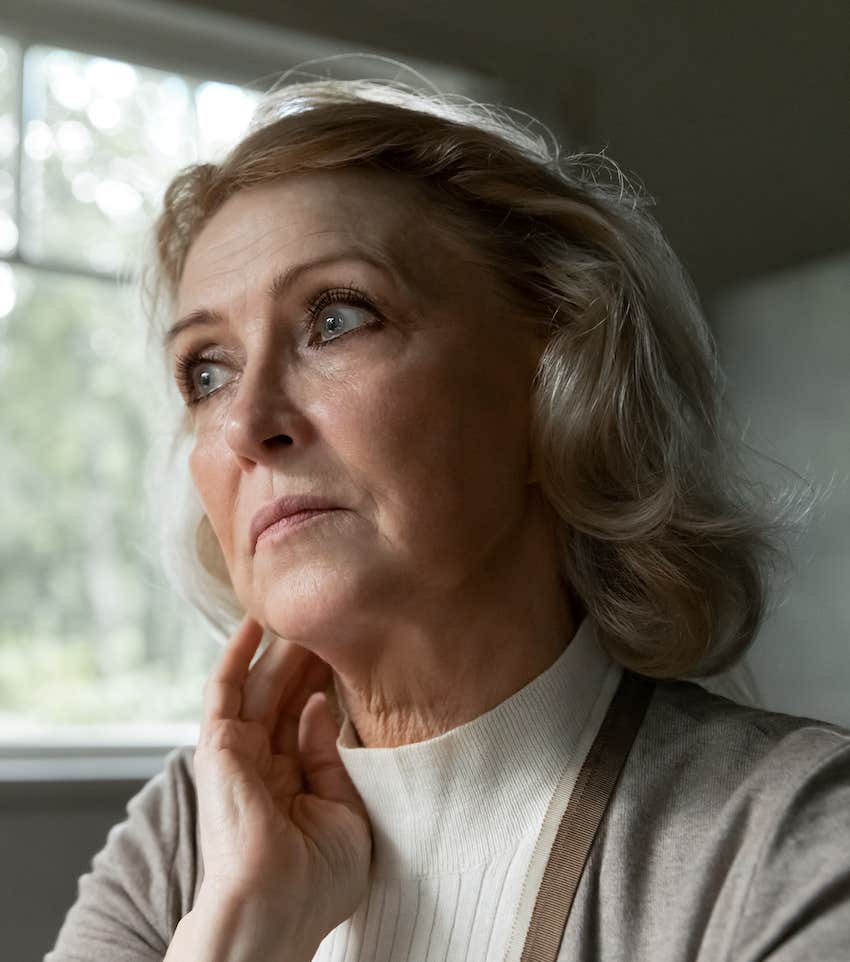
[462, 823]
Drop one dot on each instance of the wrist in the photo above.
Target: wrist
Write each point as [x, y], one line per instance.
[231, 927]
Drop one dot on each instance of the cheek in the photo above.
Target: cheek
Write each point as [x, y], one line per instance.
[432, 437]
[209, 474]
[202, 469]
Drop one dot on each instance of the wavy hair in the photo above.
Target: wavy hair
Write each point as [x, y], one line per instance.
[664, 539]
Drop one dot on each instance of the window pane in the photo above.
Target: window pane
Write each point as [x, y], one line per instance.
[88, 630]
[9, 55]
[102, 140]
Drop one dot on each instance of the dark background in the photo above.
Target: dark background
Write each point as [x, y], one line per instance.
[733, 114]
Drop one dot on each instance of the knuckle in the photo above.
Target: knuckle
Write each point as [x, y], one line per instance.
[224, 734]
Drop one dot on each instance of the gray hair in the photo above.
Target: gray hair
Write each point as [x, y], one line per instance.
[664, 539]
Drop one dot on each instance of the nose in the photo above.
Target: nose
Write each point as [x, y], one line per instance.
[261, 418]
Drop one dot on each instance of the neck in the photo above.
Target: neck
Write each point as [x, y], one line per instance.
[467, 655]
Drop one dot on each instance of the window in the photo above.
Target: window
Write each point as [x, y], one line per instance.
[89, 633]
[95, 648]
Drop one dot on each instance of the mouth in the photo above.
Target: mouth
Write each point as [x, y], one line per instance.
[291, 509]
[284, 526]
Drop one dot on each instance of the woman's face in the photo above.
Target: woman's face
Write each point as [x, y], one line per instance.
[406, 404]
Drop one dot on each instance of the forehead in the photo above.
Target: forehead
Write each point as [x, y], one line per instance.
[307, 215]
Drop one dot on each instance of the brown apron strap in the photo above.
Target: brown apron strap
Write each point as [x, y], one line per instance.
[588, 801]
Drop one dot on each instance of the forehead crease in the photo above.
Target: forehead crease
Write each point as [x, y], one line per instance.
[393, 232]
[214, 291]
[255, 253]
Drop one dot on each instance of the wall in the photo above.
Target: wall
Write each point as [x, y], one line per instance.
[48, 836]
[784, 341]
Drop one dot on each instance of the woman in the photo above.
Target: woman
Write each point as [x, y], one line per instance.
[453, 426]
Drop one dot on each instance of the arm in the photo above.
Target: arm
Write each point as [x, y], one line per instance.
[141, 882]
[798, 902]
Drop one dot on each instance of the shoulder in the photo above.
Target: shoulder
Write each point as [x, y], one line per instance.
[165, 806]
[715, 738]
[158, 841]
[743, 816]
[700, 753]
[178, 769]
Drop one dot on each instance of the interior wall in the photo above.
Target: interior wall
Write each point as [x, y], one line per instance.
[734, 115]
[784, 342]
[49, 834]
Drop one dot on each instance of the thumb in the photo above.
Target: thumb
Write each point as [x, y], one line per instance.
[323, 769]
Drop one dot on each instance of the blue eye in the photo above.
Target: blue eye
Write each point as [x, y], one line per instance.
[337, 321]
[185, 369]
[333, 314]
[203, 378]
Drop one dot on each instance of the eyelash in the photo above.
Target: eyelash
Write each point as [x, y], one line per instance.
[184, 364]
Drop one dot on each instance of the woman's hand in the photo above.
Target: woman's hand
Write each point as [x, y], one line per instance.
[283, 830]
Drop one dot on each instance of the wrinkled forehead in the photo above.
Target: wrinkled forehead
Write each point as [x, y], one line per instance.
[308, 216]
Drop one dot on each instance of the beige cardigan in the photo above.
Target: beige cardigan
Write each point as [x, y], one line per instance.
[727, 840]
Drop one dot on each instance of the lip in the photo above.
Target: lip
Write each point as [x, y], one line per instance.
[275, 511]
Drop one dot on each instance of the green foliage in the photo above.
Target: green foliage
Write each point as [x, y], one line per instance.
[89, 632]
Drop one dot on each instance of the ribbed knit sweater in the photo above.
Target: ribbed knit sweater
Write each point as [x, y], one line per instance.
[455, 818]
[727, 838]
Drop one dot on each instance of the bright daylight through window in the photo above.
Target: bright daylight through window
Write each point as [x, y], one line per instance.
[90, 634]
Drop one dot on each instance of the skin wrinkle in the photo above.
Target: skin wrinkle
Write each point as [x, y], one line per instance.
[435, 595]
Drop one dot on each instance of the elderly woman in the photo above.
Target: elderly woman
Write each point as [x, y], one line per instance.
[453, 424]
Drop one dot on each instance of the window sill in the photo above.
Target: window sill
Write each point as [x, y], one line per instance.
[112, 753]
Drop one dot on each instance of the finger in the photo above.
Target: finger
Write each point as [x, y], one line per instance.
[278, 673]
[324, 772]
[285, 735]
[223, 689]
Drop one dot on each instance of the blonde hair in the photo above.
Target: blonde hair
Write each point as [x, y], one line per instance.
[664, 539]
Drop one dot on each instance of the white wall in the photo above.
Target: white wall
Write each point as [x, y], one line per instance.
[784, 342]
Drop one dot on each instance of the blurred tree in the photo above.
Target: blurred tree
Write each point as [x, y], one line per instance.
[9, 56]
[89, 631]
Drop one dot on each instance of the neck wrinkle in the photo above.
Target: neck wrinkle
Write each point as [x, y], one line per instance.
[461, 798]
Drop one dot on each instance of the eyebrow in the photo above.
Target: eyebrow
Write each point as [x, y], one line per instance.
[281, 281]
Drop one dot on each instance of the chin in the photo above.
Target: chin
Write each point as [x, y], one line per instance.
[310, 607]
